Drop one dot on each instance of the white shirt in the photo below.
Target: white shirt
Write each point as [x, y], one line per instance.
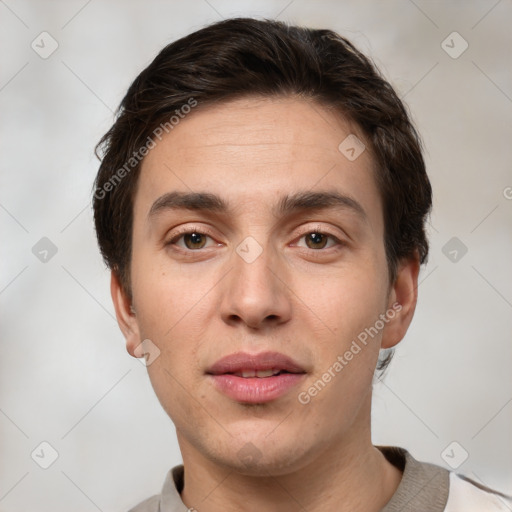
[464, 496]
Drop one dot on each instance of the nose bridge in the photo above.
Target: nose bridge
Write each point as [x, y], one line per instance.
[254, 292]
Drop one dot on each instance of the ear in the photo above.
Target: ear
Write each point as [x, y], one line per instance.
[402, 300]
[126, 316]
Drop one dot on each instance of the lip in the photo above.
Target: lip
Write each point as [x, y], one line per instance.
[255, 389]
[240, 361]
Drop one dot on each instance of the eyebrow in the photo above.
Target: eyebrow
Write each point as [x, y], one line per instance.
[288, 204]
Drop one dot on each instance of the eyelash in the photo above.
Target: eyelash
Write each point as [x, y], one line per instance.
[201, 231]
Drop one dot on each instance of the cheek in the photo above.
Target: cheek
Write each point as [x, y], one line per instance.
[167, 295]
[174, 309]
[345, 355]
[349, 301]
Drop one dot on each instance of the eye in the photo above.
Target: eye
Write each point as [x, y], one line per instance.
[192, 239]
[317, 239]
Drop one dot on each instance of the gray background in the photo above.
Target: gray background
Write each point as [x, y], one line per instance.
[65, 377]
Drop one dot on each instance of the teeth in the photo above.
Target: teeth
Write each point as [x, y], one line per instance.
[257, 373]
[264, 373]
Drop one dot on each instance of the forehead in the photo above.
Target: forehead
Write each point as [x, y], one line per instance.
[302, 128]
[255, 151]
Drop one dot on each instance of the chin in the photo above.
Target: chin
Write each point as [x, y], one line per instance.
[260, 457]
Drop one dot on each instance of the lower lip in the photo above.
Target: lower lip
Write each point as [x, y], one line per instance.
[256, 390]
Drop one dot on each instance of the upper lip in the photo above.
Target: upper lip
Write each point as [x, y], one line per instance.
[241, 361]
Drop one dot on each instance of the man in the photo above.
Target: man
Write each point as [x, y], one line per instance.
[261, 203]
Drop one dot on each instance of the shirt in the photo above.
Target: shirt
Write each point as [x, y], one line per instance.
[424, 487]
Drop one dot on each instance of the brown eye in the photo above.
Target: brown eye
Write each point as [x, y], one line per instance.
[191, 240]
[316, 240]
[194, 240]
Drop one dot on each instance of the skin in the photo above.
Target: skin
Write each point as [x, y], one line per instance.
[198, 301]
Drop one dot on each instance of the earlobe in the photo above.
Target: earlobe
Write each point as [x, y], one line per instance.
[404, 292]
[125, 314]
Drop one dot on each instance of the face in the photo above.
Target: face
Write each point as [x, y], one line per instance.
[254, 233]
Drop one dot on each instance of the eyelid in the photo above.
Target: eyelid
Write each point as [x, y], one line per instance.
[338, 242]
[322, 231]
[180, 232]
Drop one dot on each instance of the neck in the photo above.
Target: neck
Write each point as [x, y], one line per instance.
[350, 475]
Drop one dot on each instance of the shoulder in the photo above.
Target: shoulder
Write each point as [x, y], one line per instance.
[169, 500]
[466, 495]
[426, 486]
[149, 505]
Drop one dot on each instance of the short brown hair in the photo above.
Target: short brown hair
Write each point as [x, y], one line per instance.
[245, 57]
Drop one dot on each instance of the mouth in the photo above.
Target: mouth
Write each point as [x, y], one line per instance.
[264, 364]
[259, 378]
[260, 374]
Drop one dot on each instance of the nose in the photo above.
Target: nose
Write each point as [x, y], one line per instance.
[255, 292]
